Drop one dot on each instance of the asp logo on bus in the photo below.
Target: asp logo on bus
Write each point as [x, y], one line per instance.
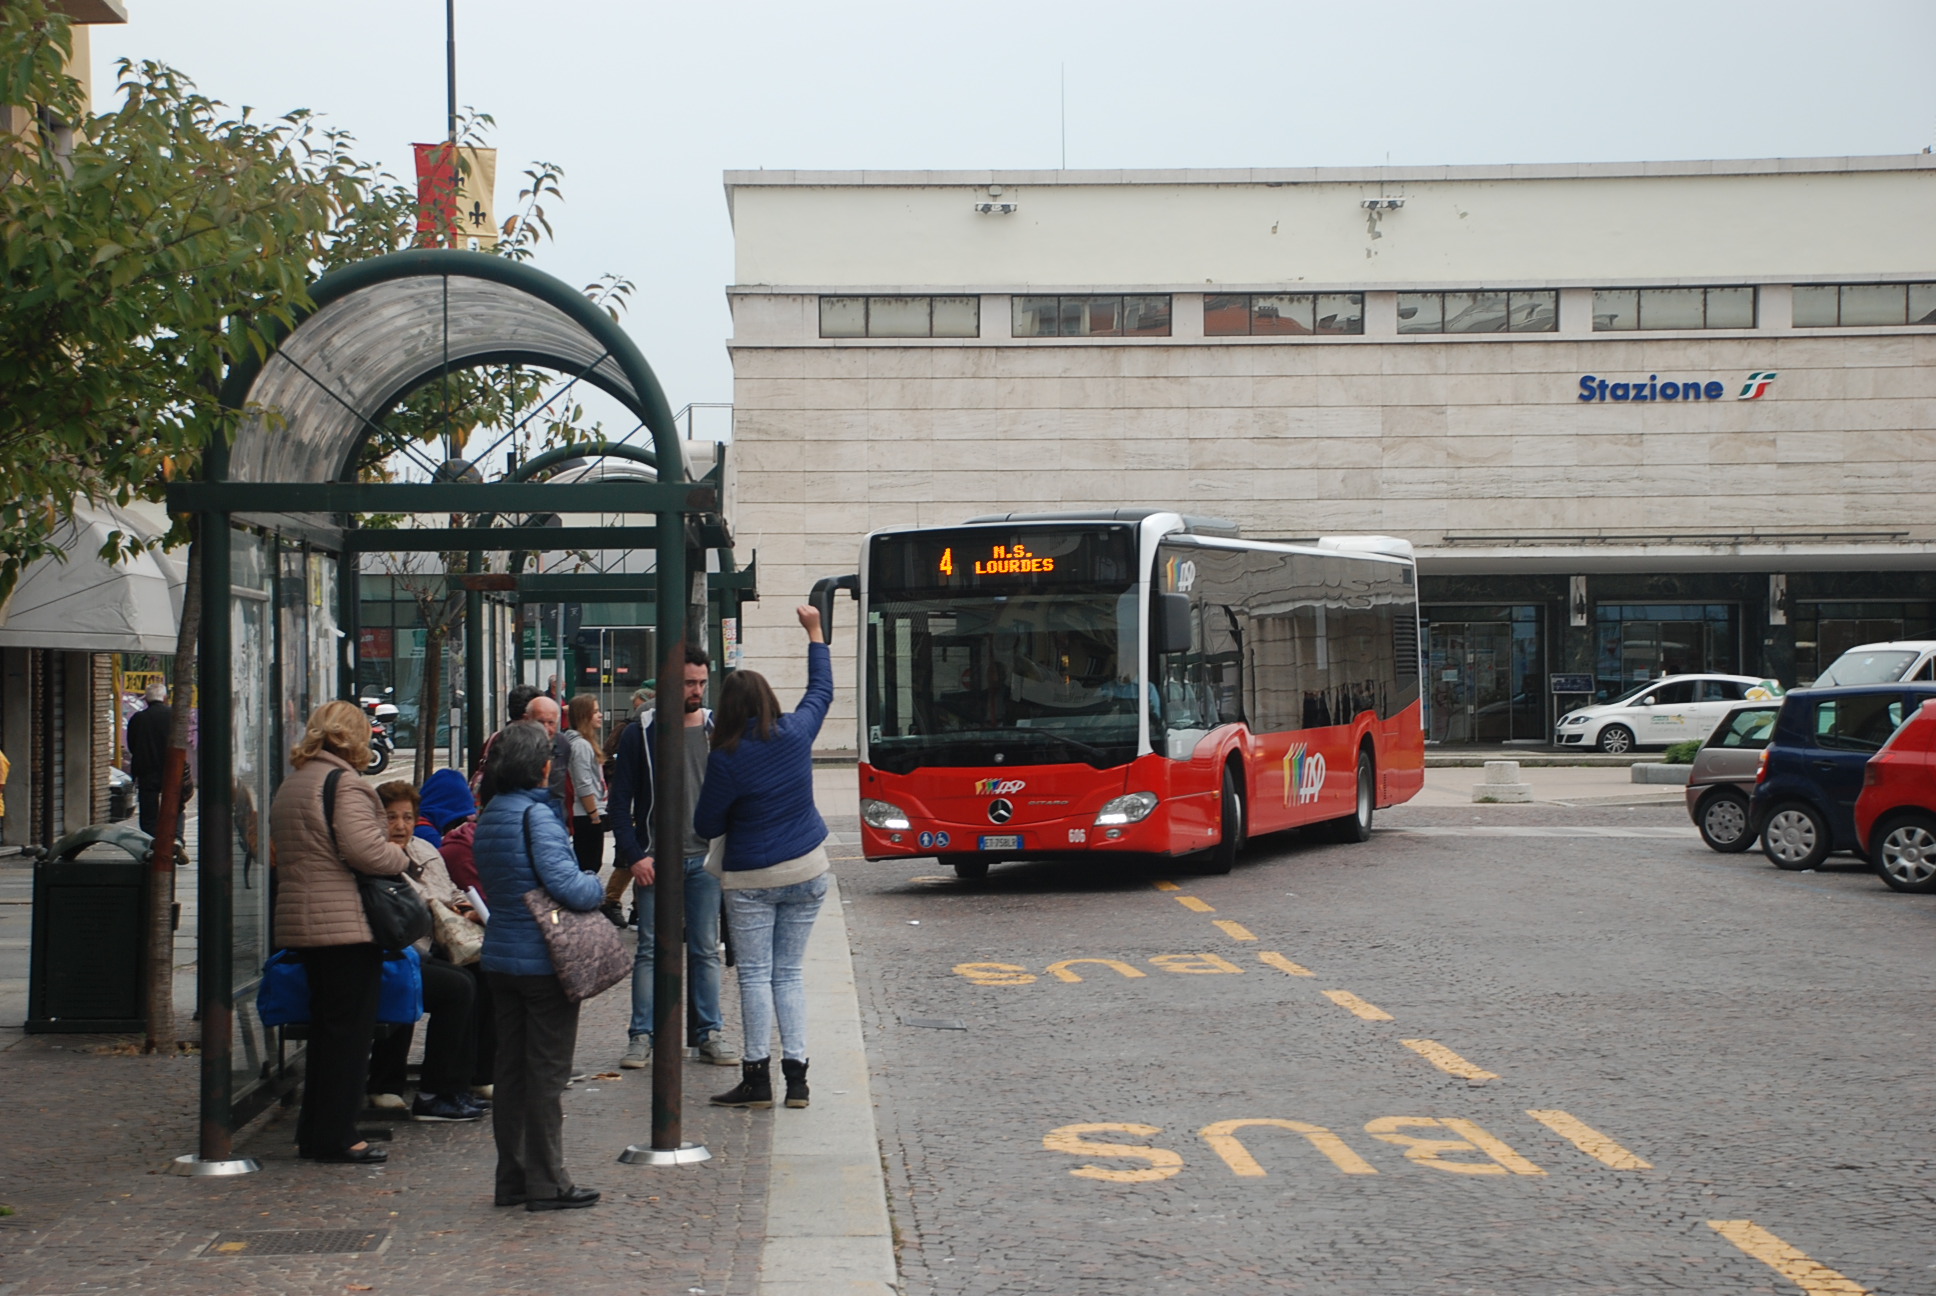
[999, 787]
[1304, 771]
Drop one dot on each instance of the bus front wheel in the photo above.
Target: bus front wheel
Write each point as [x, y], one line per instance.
[1222, 857]
[973, 869]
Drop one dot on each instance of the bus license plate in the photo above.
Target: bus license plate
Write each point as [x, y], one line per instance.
[1000, 843]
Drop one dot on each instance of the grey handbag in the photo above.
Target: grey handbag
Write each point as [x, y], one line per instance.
[586, 951]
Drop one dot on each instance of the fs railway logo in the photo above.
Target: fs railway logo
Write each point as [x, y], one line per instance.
[1758, 382]
[999, 787]
[1303, 771]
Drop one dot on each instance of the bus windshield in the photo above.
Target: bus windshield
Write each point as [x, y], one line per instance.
[1025, 678]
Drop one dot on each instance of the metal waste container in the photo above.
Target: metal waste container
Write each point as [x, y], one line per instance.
[89, 934]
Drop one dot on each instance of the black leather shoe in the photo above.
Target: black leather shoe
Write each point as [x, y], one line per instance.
[365, 1155]
[569, 1199]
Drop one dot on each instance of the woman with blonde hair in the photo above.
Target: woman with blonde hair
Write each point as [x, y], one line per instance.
[586, 779]
[319, 913]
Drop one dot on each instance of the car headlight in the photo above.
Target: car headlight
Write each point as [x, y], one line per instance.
[882, 814]
[1576, 720]
[1133, 808]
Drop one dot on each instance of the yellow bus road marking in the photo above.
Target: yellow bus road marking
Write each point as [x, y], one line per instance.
[1272, 958]
[1193, 904]
[1161, 885]
[1811, 1276]
[1235, 931]
[1432, 1152]
[1589, 1140]
[1222, 1140]
[1352, 1003]
[1162, 1162]
[1447, 1061]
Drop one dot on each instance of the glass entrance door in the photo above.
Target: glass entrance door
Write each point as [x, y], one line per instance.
[1473, 698]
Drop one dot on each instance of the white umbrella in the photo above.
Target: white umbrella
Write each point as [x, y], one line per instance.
[83, 604]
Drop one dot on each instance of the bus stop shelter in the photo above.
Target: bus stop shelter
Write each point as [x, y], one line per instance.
[278, 531]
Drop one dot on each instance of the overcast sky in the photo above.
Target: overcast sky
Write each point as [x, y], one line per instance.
[644, 104]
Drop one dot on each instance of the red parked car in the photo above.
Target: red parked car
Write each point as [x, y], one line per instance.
[1895, 816]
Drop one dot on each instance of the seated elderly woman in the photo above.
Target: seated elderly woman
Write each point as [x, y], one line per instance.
[449, 993]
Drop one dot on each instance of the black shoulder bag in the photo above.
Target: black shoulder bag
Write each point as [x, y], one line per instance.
[397, 914]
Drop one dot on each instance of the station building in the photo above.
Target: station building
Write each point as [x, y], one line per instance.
[1635, 418]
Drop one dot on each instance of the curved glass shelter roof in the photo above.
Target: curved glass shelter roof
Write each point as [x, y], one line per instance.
[383, 327]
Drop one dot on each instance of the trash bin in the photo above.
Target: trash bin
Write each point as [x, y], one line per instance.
[89, 935]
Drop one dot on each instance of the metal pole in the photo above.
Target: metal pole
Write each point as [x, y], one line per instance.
[215, 931]
[475, 722]
[450, 66]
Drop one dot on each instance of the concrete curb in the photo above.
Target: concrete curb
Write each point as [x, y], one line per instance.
[827, 1228]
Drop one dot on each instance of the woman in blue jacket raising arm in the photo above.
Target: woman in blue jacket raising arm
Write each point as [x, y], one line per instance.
[773, 868]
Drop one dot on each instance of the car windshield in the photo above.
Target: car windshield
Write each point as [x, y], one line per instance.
[1631, 693]
[1885, 666]
[1026, 679]
[1750, 727]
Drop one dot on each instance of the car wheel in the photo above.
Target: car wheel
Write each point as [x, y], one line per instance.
[971, 870]
[1616, 740]
[1905, 853]
[1723, 820]
[1795, 836]
[1222, 857]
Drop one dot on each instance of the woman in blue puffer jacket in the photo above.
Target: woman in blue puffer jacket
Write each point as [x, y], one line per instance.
[758, 795]
[522, 846]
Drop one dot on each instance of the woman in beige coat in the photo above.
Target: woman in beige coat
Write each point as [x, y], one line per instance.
[319, 912]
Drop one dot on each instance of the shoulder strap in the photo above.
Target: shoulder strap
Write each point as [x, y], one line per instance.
[329, 811]
[530, 847]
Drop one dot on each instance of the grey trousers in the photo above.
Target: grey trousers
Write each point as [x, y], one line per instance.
[537, 1033]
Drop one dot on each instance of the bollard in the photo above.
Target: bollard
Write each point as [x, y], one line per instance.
[1502, 785]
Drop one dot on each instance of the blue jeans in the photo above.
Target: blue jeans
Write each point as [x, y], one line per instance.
[702, 950]
[770, 929]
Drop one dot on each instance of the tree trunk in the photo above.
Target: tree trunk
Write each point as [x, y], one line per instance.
[428, 704]
[160, 971]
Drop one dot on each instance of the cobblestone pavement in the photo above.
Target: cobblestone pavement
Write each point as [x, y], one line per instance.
[1580, 1055]
[87, 1134]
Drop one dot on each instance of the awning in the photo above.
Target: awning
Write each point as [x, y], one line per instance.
[84, 604]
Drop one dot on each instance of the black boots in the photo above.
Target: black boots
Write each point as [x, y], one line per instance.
[755, 1088]
[796, 1081]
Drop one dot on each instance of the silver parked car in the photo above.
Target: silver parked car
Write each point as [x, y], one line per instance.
[1721, 782]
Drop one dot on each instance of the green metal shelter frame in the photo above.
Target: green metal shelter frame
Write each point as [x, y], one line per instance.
[376, 332]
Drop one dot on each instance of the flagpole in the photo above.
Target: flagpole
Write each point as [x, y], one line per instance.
[450, 67]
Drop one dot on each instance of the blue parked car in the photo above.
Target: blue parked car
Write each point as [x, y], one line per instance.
[1811, 770]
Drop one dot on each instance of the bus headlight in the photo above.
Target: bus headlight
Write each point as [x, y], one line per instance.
[1133, 808]
[882, 814]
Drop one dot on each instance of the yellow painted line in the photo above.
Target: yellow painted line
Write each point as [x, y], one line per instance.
[1812, 1276]
[1165, 886]
[1493, 1147]
[1235, 931]
[1271, 958]
[1352, 1003]
[1194, 904]
[1447, 1061]
[1589, 1140]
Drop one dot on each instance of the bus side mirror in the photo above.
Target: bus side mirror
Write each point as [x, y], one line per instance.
[1171, 630]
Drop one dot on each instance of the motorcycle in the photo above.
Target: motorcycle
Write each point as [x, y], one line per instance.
[383, 719]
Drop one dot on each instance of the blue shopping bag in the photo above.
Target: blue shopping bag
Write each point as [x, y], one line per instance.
[283, 997]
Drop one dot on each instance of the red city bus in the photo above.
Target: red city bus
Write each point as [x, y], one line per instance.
[1135, 682]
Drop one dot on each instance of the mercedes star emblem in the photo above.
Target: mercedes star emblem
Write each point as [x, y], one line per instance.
[1000, 811]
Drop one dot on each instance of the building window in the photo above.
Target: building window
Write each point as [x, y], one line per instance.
[1141, 316]
[900, 317]
[1618, 310]
[1856, 305]
[1479, 312]
[1297, 314]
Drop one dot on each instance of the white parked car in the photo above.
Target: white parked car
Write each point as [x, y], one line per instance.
[1881, 663]
[1672, 709]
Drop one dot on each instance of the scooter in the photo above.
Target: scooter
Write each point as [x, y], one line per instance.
[383, 719]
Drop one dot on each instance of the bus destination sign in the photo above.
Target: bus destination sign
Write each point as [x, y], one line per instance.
[1003, 559]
